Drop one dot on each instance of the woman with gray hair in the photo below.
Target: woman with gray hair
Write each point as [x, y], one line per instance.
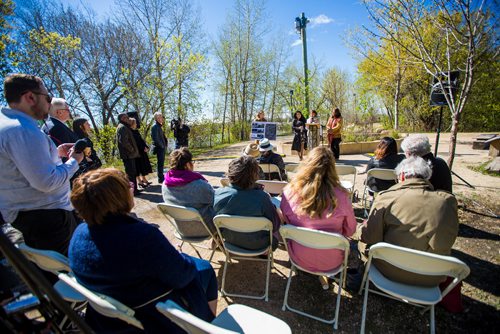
[418, 145]
[414, 168]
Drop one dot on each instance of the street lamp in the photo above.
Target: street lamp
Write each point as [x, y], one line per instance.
[300, 26]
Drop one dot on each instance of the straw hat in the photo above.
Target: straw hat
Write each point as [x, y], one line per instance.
[252, 150]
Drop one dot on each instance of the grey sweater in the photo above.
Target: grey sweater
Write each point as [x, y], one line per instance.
[197, 194]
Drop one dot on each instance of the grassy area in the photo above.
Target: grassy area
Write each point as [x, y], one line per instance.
[482, 169]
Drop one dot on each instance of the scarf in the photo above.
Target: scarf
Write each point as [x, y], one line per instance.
[178, 178]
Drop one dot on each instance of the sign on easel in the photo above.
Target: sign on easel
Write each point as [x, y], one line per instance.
[264, 130]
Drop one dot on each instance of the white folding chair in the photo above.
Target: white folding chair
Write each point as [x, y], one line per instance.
[245, 225]
[381, 174]
[55, 263]
[274, 188]
[179, 216]
[413, 261]
[103, 304]
[343, 170]
[224, 182]
[317, 240]
[270, 168]
[234, 319]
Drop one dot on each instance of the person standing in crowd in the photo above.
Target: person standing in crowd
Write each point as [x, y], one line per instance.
[334, 128]
[91, 161]
[299, 143]
[130, 260]
[260, 117]
[159, 145]
[419, 146]
[387, 157]
[181, 133]
[34, 183]
[127, 148]
[315, 199]
[244, 197]
[313, 131]
[142, 163]
[269, 157]
[55, 127]
[184, 186]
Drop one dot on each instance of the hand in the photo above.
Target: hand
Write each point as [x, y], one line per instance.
[77, 156]
[63, 150]
[146, 149]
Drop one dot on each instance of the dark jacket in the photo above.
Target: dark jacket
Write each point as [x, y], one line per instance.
[59, 132]
[441, 174]
[181, 135]
[126, 142]
[158, 137]
[388, 162]
[275, 159]
[133, 262]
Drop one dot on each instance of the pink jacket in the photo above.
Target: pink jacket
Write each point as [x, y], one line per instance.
[342, 221]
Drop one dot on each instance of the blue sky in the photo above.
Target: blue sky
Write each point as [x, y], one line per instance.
[330, 20]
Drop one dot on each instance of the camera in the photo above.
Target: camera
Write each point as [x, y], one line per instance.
[174, 124]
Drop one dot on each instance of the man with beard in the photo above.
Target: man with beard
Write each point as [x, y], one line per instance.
[34, 183]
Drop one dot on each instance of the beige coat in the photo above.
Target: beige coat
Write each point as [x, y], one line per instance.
[411, 214]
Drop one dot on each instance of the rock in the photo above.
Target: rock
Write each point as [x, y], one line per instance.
[494, 166]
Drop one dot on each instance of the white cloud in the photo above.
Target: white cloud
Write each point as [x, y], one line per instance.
[297, 42]
[320, 19]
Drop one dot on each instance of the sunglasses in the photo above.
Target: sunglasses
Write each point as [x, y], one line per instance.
[48, 97]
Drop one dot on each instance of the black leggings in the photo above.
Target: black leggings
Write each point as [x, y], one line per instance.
[335, 147]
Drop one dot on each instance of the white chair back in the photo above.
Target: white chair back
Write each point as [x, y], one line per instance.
[182, 216]
[242, 223]
[343, 170]
[383, 174]
[419, 262]
[270, 168]
[187, 321]
[103, 304]
[273, 187]
[47, 260]
[314, 238]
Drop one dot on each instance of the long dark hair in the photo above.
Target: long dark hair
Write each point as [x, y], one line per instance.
[336, 113]
[387, 146]
[78, 127]
[302, 118]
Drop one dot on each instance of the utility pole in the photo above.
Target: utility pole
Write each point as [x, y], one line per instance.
[300, 26]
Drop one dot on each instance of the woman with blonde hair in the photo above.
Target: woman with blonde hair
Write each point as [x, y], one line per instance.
[315, 199]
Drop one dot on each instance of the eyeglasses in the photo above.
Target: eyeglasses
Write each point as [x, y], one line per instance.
[48, 97]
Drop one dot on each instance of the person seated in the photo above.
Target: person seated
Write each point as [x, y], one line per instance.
[269, 157]
[244, 197]
[132, 261]
[419, 146]
[315, 199]
[183, 186]
[412, 214]
[387, 157]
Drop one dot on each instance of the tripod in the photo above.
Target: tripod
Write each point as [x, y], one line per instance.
[438, 132]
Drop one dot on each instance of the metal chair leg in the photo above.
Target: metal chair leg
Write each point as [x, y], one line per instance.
[365, 306]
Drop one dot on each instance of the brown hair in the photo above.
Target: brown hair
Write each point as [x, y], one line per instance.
[386, 146]
[101, 192]
[336, 113]
[180, 158]
[315, 182]
[15, 85]
[243, 172]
